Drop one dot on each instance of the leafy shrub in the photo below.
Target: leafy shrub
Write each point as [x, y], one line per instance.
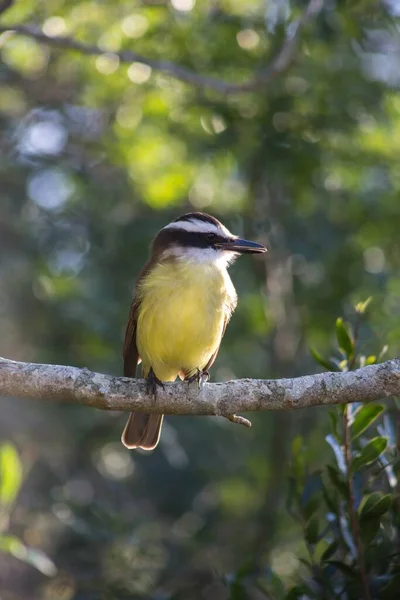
[348, 511]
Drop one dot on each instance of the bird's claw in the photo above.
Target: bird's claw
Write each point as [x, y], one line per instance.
[152, 382]
[201, 377]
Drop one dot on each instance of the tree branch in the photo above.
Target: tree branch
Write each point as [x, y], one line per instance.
[55, 383]
[278, 65]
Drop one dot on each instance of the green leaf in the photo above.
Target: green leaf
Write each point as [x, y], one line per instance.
[370, 453]
[311, 531]
[369, 530]
[345, 569]
[276, 585]
[391, 590]
[12, 545]
[336, 481]
[244, 570]
[364, 418]
[10, 474]
[338, 452]
[326, 363]
[343, 336]
[333, 415]
[297, 592]
[361, 307]
[237, 591]
[311, 506]
[329, 551]
[271, 584]
[370, 360]
[307, 564]
[292, 497]
[297, 445]
[330, 499]
[374, 505]
[382, 353]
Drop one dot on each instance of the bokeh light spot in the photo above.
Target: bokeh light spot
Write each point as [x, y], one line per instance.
[50, 188]
[54, 26]
[374, 260]
[129, 116]
[115, 462]
[248, 39]
[183, 5]
[107, 63]
[139, 72]
[135, 26]
[44, 137]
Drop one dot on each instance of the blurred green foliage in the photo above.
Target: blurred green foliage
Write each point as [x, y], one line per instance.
[10, 483]
[95, 157]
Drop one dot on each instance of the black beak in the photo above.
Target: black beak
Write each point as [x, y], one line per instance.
[242, 246]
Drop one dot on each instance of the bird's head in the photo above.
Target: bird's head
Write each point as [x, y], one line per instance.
[200, 238]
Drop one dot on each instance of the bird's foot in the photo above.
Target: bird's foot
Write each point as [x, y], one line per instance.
[201, 377]
[152, 382]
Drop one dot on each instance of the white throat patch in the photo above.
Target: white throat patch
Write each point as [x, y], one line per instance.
[200, 256]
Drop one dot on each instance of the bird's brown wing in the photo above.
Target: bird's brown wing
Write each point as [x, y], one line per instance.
[131, 354]
[142, 430]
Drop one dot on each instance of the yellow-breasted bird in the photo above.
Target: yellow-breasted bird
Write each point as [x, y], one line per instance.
[183, 302]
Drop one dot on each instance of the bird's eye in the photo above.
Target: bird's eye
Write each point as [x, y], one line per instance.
[212, 237]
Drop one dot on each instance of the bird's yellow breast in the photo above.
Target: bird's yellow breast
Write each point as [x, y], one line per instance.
[181, 317]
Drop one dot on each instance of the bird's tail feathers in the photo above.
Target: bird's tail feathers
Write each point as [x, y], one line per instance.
[142, 431]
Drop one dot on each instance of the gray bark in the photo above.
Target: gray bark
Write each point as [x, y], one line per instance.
[53, 383]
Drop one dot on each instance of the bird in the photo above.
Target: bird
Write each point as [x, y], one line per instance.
[183, 301]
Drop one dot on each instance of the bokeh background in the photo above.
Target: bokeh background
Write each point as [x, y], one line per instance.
[95, 157]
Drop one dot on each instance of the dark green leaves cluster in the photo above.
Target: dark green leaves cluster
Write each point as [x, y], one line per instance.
[348, 512]
[352, 529]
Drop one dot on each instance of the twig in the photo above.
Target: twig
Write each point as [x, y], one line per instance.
[278, 65]
[356, 336]
[55, 383]
[239, 420]
[355, 525]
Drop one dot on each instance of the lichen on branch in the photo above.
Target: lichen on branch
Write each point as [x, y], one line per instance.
[54, 383]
